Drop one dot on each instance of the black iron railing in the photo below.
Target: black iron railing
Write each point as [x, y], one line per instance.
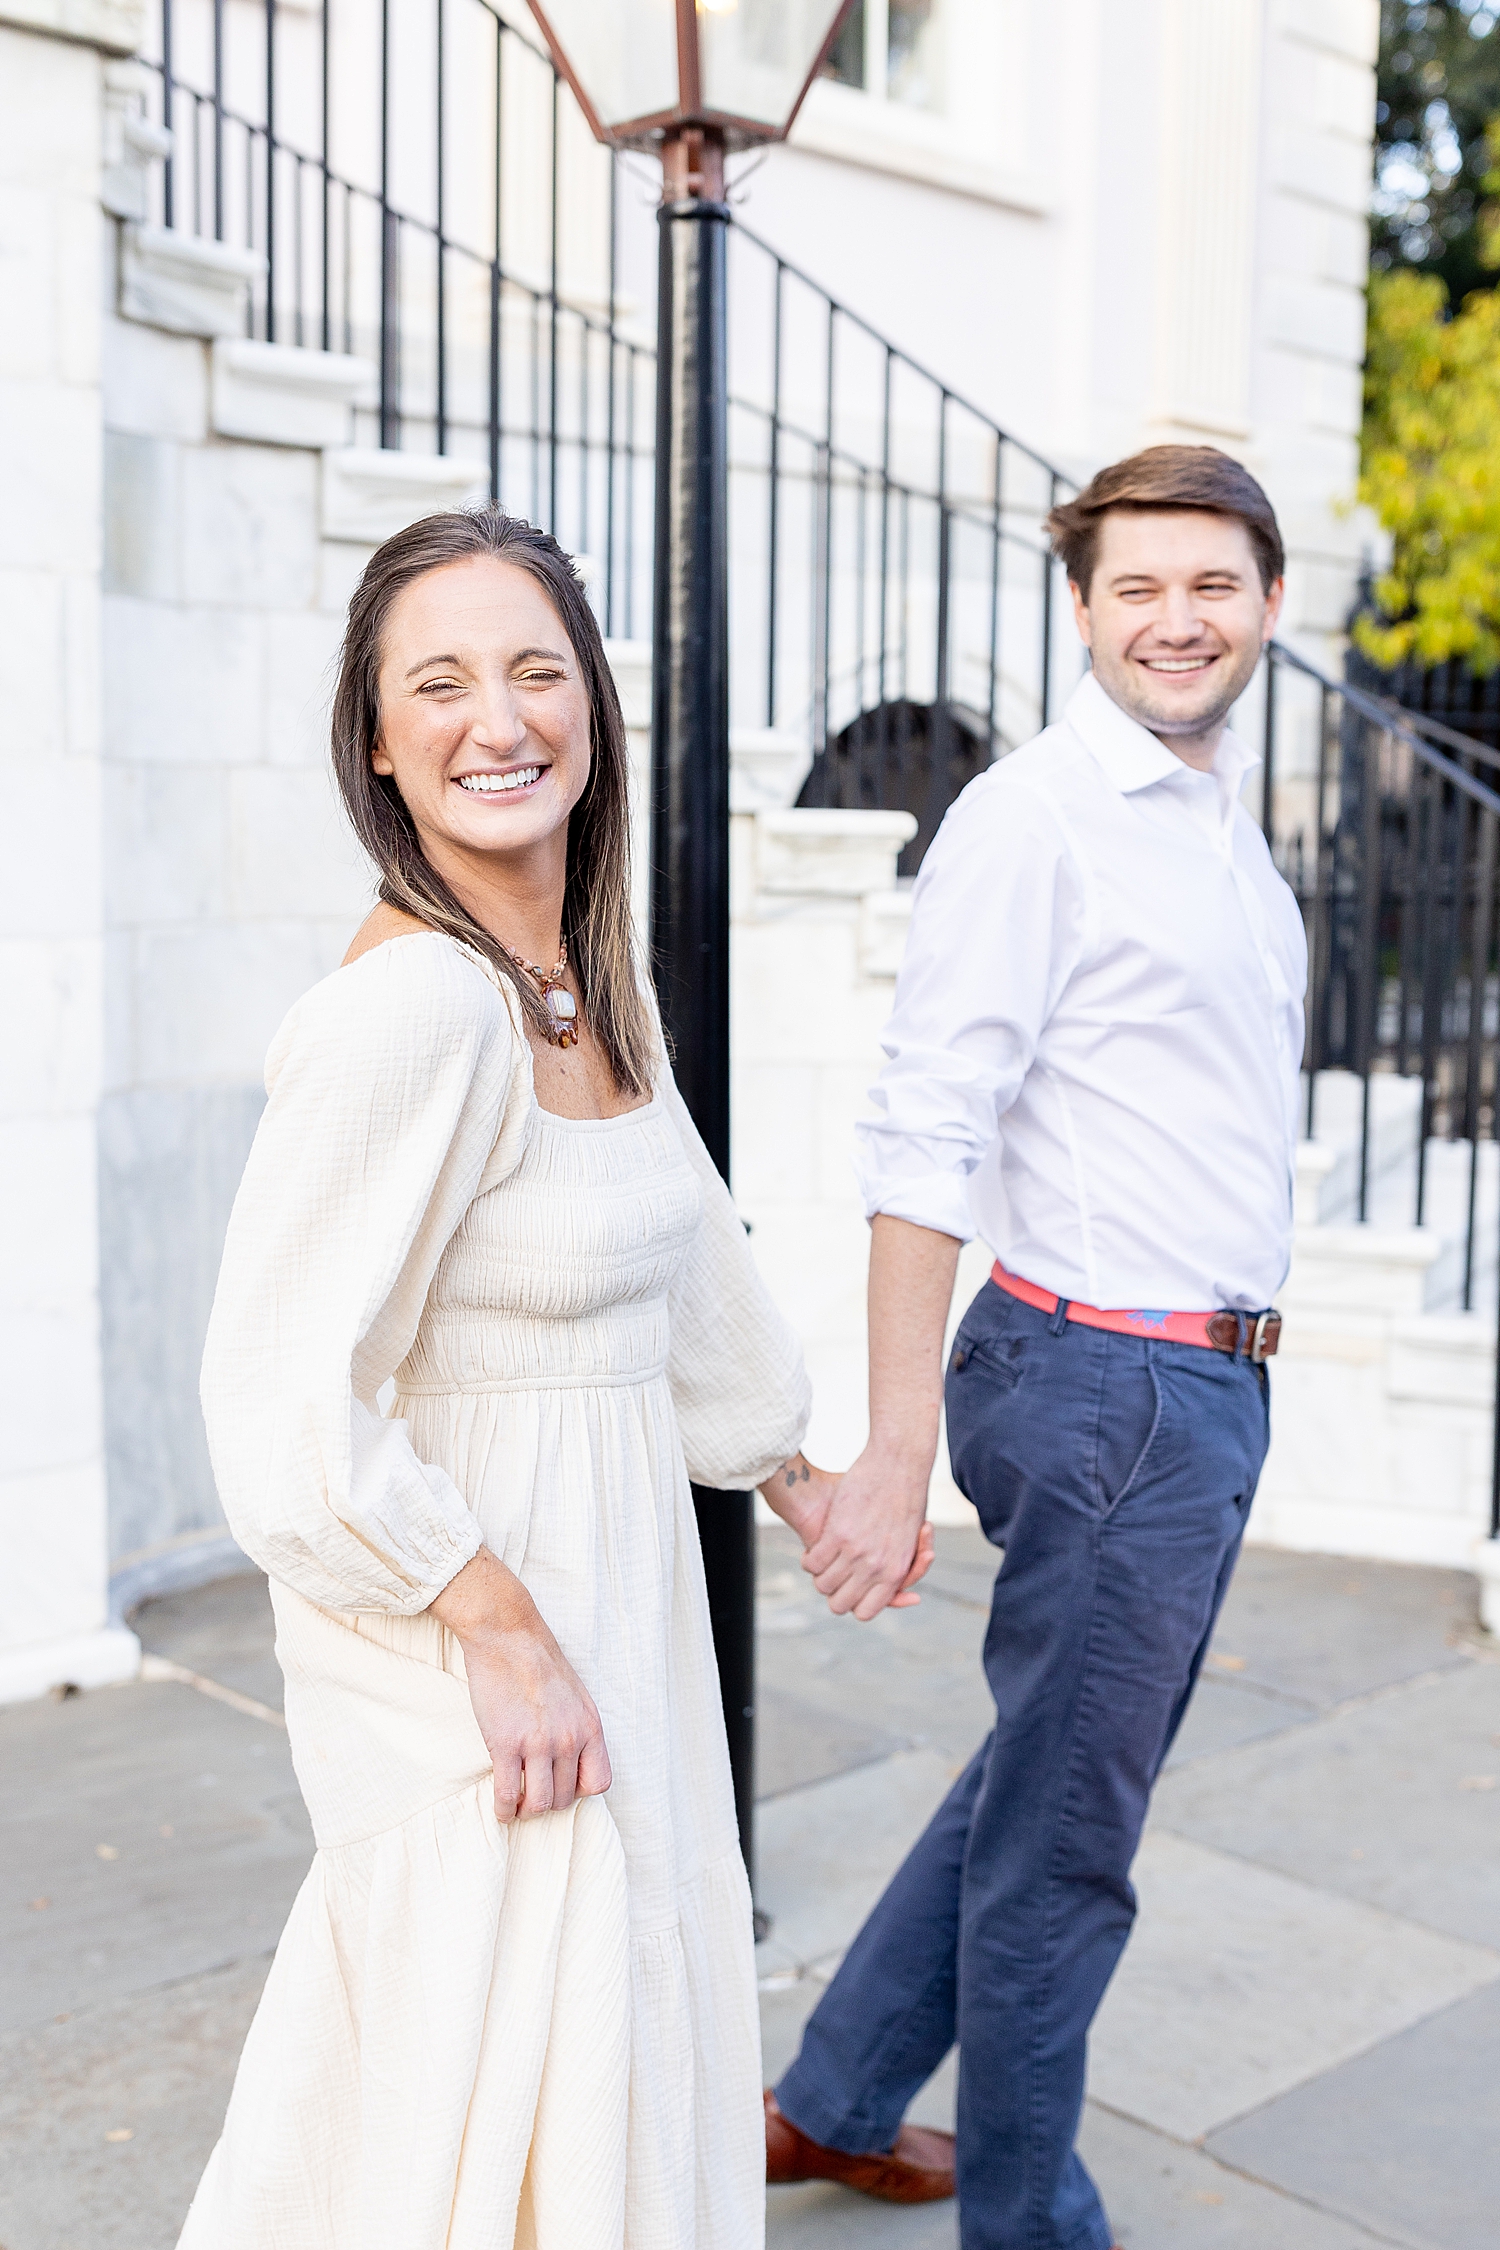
[426, 198]
[1386, 822]
[400, 170]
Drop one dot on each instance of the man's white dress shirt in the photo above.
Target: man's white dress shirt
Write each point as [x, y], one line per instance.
[1094, 1051]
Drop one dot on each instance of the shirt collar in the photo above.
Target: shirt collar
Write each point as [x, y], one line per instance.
[1132, 756]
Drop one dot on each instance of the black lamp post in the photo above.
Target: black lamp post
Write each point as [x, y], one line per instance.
[690, 80]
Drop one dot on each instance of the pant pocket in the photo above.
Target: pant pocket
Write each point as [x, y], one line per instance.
[1131, 1414]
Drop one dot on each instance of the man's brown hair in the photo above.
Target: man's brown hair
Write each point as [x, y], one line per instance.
[1166, 476]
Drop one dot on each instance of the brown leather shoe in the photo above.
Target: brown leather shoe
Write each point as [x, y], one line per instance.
[919, 2169]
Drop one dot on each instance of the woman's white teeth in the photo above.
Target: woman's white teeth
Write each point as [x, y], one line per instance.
[488, 783]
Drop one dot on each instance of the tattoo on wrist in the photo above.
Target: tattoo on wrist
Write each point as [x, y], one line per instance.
[794, 1475]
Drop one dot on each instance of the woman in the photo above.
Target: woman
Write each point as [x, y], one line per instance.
[500, 2013]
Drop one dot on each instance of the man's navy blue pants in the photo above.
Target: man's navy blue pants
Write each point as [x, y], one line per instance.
[1117, 1473]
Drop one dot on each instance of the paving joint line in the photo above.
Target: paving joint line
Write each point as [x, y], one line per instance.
[1254, 2179]
[162, 1668]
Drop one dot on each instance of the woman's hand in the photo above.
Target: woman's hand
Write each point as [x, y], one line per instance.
[538, 1719]
[802, 1496]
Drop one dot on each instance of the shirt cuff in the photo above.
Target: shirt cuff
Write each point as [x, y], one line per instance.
[939, 1200]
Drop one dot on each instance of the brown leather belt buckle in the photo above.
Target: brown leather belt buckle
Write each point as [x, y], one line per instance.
[1224, 1331]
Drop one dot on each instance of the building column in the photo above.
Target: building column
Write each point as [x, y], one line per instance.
[54, 1611]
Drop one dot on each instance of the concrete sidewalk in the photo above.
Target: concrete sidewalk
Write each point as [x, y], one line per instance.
[1302, 2047]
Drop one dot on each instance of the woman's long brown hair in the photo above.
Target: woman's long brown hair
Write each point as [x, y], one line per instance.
[596, 924]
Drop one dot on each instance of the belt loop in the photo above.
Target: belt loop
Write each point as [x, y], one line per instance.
[1242, 1336]
[1059, 1320]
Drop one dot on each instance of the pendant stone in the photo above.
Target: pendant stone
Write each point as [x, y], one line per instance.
[562, 1003]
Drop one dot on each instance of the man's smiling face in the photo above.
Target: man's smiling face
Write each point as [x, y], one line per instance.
[1175, 618]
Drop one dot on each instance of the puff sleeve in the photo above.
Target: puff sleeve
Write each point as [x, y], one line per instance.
[390, 1085]
[734, 1365]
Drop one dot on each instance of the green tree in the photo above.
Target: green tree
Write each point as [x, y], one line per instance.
[1438, 88]
[1430, 468]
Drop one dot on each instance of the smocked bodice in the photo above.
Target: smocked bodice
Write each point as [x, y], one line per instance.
[559, 1275]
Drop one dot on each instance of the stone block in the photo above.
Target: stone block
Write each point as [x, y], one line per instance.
[52, 1418]
[50, 469]
[292, 849]
[142, 517]
[1344, 27]
[116, 27]
[28, 335]
[32, 665]
[155, 384]
[780, 969]
[170, 1161]
[49, 1212]
[1314, 316]
[51, 104]
[340, 564]
[774, 1131]
[302, 650]
[208, 999]
[185, 283]
[215, 662]
[630, 662]
[884, 921]
[50, 887]
[1326, 170]
[284, 394]
[1366, 1271]
[767, 767]
[54, 1587]
[82, 642]
[249, 525]
[1444, 1359]
[168, 857]
[119, 1009]
[369, 495]
[829, 853]
[53, 1028]
[134, 144]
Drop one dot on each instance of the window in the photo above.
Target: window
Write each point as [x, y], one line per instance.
[892, 49]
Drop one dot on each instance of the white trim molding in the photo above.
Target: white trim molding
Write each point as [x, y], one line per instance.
[116, 27]
[183, 283]
[913, 144]
[368, 495]
[287, 394]
[84, 1660]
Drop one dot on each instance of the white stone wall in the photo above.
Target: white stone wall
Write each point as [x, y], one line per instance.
[53, 1601]
[231, 883]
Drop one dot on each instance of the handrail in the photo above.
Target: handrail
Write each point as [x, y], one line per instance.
[1384, 714]
[896, 351]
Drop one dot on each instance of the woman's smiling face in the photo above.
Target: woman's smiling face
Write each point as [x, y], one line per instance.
[484, 717]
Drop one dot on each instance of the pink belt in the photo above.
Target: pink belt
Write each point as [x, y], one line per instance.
[1256, 1334]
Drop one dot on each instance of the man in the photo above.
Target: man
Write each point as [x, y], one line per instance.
[1092, 1065]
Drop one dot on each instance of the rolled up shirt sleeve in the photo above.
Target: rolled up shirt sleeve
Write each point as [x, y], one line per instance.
[999, 922]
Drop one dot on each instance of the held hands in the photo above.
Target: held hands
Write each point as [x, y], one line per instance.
[814, 1502]
[537, 1718]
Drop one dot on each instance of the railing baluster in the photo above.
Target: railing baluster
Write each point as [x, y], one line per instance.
[442, 243]
[169, 168]
[270, 171]
[773, 525]
[552, 352]
[609, 443]
[324, 121]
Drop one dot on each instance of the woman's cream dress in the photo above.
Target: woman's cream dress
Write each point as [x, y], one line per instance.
[477, 2036]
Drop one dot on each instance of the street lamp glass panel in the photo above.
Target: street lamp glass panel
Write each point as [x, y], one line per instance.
[624, 57]
[756, 54]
